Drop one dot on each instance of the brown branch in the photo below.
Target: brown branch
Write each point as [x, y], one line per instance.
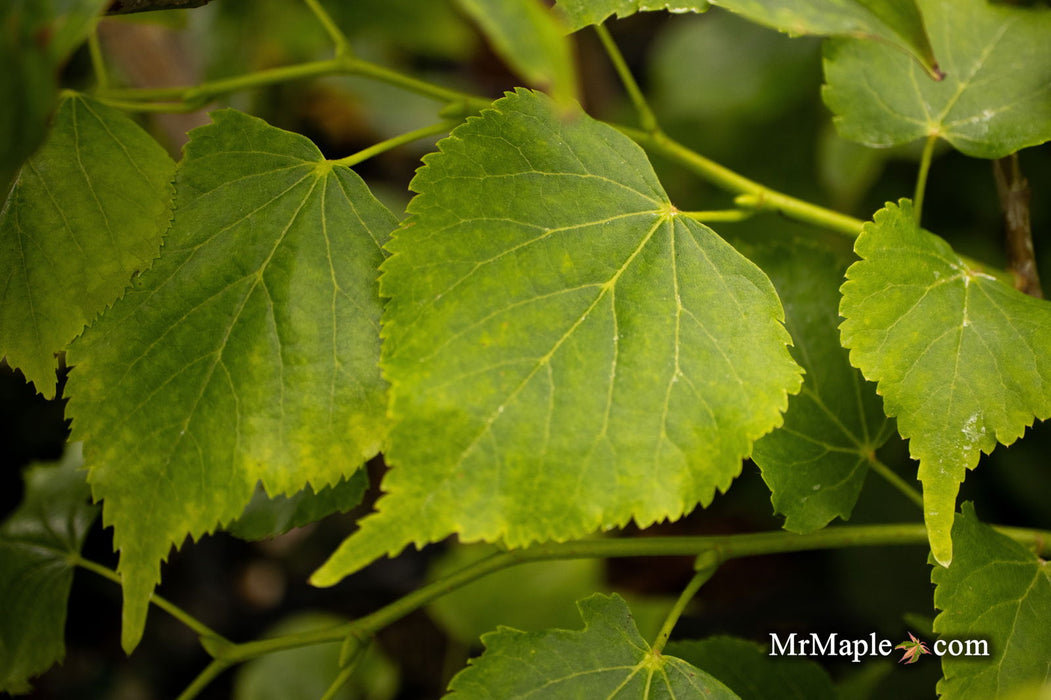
[124, 7]
[1014, 200]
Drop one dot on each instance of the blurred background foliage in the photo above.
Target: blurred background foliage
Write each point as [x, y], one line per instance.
[743, 95]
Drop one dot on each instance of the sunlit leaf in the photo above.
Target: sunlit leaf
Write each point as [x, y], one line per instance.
[749, 670]
[606, 659]
[248, 352]
[531, 39]
[87, 213]
[566, 351]
[993, 100]
[816, 463]
[895, 22]
[997, 591]
[36, 542]
[961, 359]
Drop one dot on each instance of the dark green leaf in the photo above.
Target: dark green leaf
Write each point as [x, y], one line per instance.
[271, 516]
[36, 542]
[815, 464]
[895, 22]
[747, 669]
[994, 98]
[248, 352]
[87, 213]
[961, 359]
[566, 351]
[607, 659]
[995, 590]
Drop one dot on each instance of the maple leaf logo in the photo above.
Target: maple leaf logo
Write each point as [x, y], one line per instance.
[914, 649]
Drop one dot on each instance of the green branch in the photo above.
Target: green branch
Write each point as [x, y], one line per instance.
[646, 117]
[336, 34]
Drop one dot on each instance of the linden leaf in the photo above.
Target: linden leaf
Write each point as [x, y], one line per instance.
[566, 351]
[606, 659]
[248, 352]
[993, 101]
[816, 463]
[531, 39]
[36, 543]
[87, 212]
[266, 517]
[896, 23]
[999, 592]
[961, 359]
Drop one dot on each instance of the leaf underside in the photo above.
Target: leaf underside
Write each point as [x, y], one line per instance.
[999, 591]
[565, 351]
[248, 352]
[607, 659]
[895, 23]
[87, 211]
[816, 463]
[993, 101]
[962, 360]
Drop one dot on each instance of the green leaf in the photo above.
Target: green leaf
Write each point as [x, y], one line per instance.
[36, 543]
[269, 517]
[608, 658]
[896, 23]
[815, 464]
[36, 38]
[999, 591]
[748, 670]
[248, 352]
[994, 98]
[961, 359]
[532, 39]
[87, 212]
[566, 351]
[305, 673]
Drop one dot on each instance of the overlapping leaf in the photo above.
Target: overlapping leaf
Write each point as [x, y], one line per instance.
[998, 591]
[566, 351]
[749, 670]
[816, 463]
[36, 542]
[961, 359]
[531, 39]
[607, 659]
[248, 352]
[271, 516]
[87, 212]
[993, 101]
[895, 22]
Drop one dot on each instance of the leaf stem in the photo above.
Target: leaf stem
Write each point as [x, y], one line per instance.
[704, 573]
[209, 674]
[717, 215]
[896, 481]
[98, 65]
[345, 673]
[164, 604]
[752, 195]
[337, 35]
[921, 177]
[375, 149]
[646, 117]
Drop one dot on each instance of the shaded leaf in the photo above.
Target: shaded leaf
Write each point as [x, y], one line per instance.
[999, 591]
[36, 573]
[531, 39]
[608, 658]
[815, 464]
[993, 100]
[266, 516]
[87, 213]
[895, 22]
[961, 359]
[248, 352]
[747, 669]
[566, 351]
